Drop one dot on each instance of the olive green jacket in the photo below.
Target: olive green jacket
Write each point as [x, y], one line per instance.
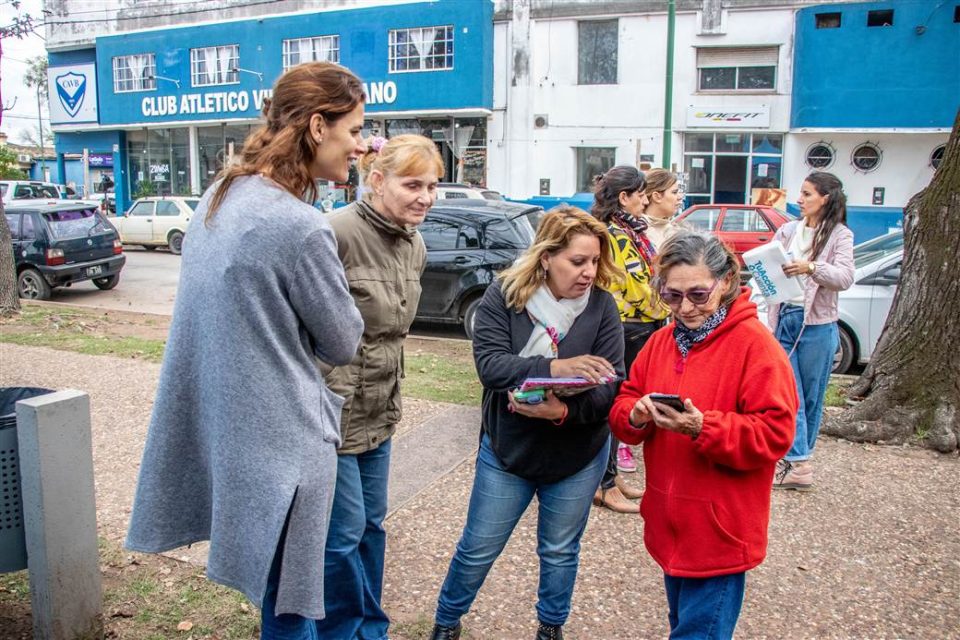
[383, 262]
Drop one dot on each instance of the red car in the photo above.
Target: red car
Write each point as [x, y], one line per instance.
[741, 226]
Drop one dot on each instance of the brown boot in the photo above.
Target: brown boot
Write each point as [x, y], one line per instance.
[614, 500]
[628, 490]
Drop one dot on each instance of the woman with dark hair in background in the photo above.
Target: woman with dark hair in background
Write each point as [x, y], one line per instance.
[710, 456]
[821, 247]
[242, 444]
[619, 202]
[383, 255]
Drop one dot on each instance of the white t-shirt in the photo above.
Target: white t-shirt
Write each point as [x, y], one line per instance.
[801, 247]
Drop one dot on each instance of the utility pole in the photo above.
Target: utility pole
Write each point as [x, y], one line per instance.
[43, 153]
[668, 97]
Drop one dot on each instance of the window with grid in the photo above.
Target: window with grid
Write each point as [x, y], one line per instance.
[421, 49]
[134, 73]
[318, 49]
[737, 69]
[215, 65]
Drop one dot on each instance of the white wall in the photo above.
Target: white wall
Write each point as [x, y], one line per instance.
[904, 167]
[628, 115]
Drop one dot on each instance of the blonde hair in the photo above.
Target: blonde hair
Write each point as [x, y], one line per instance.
[659, 180]
[405, 155]
[554, 233]
[283, 147]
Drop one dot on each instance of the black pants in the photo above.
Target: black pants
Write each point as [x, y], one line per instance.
[635, 335]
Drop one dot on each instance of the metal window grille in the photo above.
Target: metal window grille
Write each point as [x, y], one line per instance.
[215, 65]
[421, 49]
[134, 73]
[318, 49]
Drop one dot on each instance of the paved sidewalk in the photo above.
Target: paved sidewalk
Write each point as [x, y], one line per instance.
[874, 552]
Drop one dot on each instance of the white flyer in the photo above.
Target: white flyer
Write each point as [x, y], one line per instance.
[765, 264]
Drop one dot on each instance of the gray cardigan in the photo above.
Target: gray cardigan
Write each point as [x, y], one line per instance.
[244, 430]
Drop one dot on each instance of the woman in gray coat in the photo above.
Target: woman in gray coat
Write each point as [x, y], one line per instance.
[241, 448]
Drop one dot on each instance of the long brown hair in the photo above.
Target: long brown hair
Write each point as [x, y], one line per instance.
[283, 147]
[556, 228]
[834, 210]
[609, 186]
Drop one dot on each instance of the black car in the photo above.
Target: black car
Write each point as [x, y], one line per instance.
[468, 242]
[57, 244]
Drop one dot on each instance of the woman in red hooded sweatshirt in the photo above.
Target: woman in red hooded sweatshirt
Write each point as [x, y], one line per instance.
[709, 466]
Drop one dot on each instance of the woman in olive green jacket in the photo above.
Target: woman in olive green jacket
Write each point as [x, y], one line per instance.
[383, 256]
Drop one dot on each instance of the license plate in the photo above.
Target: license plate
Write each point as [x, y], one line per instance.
[95, 270]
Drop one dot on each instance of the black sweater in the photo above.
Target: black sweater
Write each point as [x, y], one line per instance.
[531, 448]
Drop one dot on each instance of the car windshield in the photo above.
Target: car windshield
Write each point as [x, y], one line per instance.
[511, 233]
[873, 250]
[192, 203]
[76, 223]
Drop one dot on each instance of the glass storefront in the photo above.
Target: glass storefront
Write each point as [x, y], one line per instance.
[217, 146]
[726, 167]
[158, 162]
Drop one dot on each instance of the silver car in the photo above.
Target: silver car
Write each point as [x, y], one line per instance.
[865, 305]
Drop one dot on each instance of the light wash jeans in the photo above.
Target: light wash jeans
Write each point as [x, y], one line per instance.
[356, 542]
[287, 626]
[704, 608]
[811, 360]
[497, 502]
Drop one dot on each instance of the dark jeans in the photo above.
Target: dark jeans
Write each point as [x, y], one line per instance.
[286, 626]
[635, 335]
[704, 608]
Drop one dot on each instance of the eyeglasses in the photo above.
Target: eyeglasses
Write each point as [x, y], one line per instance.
[675, 298]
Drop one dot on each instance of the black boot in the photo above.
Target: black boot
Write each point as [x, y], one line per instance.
[549, 632]
[445, 633]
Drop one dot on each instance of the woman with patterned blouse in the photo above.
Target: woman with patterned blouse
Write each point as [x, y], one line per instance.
[619, 202]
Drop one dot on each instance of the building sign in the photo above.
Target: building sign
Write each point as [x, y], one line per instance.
[755, 117]
[100, 160]
[73, 93]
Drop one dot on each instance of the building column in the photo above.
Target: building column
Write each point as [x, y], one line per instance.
[194, 162]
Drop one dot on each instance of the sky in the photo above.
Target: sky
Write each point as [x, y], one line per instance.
[23, 116]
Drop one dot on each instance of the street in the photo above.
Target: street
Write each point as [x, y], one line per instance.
[148, 284]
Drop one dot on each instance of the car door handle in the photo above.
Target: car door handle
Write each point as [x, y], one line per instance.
[763, 238]
[460, 260]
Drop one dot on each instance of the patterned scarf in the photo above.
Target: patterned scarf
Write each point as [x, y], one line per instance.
[636, 229]
[686, 338]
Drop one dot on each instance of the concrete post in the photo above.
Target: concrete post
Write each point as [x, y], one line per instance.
[59, 515]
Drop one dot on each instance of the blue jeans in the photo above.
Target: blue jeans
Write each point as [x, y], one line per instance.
[704, 608]
[287, 626]
[353, 562]
[811, 360]
[497, 502]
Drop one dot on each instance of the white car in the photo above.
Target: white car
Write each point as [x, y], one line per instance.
[159, 221]
[865, 305]
[454, 190]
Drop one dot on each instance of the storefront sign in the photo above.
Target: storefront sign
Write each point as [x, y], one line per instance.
[100, 160]
[73, 93]
[756, 117]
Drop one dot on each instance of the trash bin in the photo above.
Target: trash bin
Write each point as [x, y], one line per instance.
[13, 544]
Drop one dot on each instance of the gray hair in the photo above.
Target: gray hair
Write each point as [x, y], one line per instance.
[694, 248]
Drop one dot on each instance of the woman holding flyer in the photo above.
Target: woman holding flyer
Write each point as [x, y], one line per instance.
[548, 316]
[821, 247]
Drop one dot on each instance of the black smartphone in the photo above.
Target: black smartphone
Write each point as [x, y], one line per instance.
[672, 401]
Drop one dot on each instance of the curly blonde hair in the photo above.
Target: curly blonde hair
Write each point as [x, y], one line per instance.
[554, 233]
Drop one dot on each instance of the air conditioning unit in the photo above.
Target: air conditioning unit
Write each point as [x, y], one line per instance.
[541, 121]
[24, 157]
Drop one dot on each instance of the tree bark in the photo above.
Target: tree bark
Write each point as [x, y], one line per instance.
[911, 388]
[9, 300]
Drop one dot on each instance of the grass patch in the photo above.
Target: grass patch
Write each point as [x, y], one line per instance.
[444, 378]
[835, 396]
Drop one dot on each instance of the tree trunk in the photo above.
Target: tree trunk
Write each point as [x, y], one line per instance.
[9, 300]
[911, 388]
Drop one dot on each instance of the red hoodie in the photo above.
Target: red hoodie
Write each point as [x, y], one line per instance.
[707, 502]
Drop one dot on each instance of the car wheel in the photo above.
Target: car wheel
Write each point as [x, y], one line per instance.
[175, 242]
[32, 285]
[843, 358]
[150, 247]
[470, 316]
[107, 283]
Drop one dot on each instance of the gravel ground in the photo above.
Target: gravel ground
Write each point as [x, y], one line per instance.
[874, 552]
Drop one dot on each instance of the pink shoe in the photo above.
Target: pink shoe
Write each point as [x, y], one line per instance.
[625, 460]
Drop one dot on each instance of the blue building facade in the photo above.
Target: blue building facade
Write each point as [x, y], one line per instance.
[876, 89]
[162, 110]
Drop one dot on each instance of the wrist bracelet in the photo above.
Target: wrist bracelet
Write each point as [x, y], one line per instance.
[566, 411]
